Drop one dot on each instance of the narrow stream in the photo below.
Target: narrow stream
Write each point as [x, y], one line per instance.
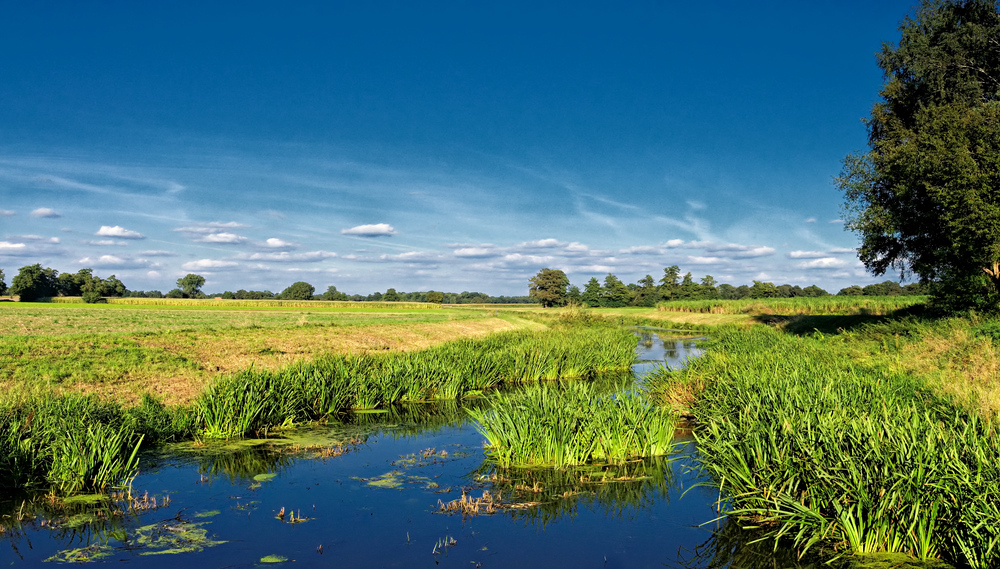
[378, 504]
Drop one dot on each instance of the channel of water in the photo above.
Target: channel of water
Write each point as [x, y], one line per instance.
[378, 504]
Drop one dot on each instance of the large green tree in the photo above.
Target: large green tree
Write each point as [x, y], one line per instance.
[33, 282]
[190, 285]
[3, 285]
[298, 291]
[549, 287]
[925, 198]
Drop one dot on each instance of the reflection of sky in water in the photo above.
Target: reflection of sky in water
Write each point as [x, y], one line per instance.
[657, 348]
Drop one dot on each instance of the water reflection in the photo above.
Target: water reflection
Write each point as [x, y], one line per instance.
[659, 348]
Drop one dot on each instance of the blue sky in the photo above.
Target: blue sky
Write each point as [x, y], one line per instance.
[444, 145]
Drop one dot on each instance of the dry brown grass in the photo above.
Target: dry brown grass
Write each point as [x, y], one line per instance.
[960, 364]
[190, 359]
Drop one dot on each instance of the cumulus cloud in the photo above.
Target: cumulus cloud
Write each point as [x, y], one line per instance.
[44, 212]
[208, 264]
[113, 262]
[275, 243]
[411, 257]
[541, 244]
[371, 230]
[698, 260]
[476, 252]
[823, 263]
[839, 250]
[286, 257]
[8, 248]
[221, 238]
[107, 243]
[674, 243]
[806, 254]
[6, 213]
[576, 247]
[119, 232]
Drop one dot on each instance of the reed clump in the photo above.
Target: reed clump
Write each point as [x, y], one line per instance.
[813, 444]
[572, 424]
[256, 401]
[73, 442]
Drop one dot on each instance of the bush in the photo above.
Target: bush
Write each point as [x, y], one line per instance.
[93, 297]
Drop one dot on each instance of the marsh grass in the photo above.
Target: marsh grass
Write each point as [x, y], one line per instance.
[72, 443]
[256, 401]
[825, 442]
[573, 424]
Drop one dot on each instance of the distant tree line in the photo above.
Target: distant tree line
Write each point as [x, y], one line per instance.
[552, 288]
[549, 287]
[34, 282]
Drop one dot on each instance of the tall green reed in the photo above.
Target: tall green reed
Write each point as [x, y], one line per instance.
[814, 447]
[560, 425]
[255, 401]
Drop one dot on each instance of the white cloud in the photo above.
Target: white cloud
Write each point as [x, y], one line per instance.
[839, 250]
[476, 252]
[157, 254]
[44, 212]
[576, 247]
[6, 213]
[119, 232]
[836, 221]
[210, 227]
[107, 242]
[8, 248]
[113, 262]
[411, 257]
[221, 238]
[541, 244]
[204, 264]
[286, 257]
[275, 243]
[698, 260]
[824, 263]
[371, 230]
[640, 250]
[806, 254]
[811, 220]
[674, 243]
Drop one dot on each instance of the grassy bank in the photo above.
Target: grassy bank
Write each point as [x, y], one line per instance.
[850, 442]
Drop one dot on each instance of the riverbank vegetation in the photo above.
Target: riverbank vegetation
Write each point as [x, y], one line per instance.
[878, 437]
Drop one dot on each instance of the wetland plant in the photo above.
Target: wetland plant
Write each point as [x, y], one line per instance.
[811, 446]
[571, 424]
[255, 401]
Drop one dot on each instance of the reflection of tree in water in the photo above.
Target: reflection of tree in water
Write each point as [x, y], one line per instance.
[620, 491]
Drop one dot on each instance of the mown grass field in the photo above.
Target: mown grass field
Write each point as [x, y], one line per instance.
[123, 351]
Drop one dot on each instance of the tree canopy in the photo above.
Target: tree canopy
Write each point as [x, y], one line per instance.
[549, 287]
[298, 291]
[925, 198]
[32, 282]
[190, 285]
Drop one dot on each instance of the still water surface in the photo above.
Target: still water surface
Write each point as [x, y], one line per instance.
[378, 504]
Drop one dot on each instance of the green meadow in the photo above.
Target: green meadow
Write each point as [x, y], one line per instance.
[848, 427]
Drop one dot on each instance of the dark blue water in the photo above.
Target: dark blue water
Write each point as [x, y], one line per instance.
[378, 505]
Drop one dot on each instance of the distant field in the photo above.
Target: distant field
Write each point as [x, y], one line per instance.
[840, 305]
[173, 351]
